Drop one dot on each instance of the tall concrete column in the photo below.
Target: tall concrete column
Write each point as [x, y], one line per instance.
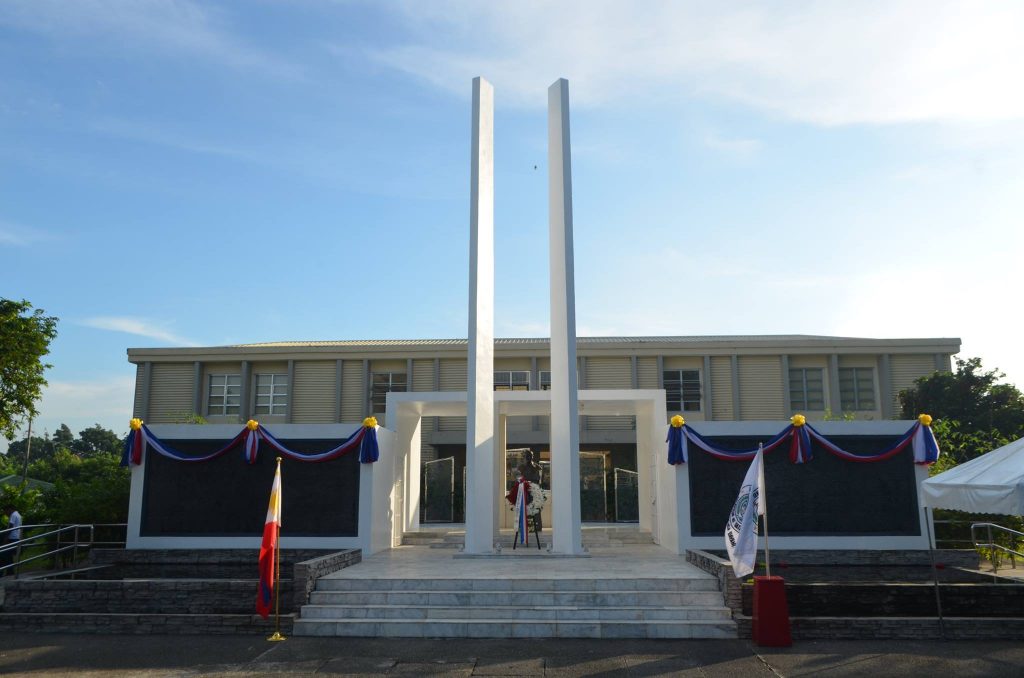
[565, 434]
[481, 505]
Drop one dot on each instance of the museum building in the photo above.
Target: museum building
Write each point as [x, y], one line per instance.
[738, 389]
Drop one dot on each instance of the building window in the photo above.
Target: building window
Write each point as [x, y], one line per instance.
[682, 390]
[513, 381]
[225, 394]
[857, 388]
[384, 383]
[544, 379]
[806, 388]
[271, 393]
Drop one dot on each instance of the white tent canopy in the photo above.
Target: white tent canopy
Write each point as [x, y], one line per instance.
[992, 483]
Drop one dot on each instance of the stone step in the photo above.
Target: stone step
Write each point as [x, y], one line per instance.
[514, 612]
[506, 542]
[489, 628]
[522, 598]
[610, 536]
[545, 585]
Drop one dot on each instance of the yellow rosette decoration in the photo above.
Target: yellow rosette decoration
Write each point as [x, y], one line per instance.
[369, 452]
[676, 444]
[252, 424]
[925, 419]
[798, 420]
[133, 445]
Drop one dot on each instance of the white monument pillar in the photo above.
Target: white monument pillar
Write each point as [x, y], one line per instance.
[565, 434]
[481, 505]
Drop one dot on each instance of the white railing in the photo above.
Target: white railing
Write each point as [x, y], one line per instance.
[991, 530]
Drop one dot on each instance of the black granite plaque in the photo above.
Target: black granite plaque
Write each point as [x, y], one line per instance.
[825, 496]
[226, 497]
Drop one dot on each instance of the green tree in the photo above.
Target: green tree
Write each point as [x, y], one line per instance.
[63, 437]
[974, 414]
[91, 490]
[95, 440]
[8, 465]
[42, 447]
[25, 336]
[971, 396]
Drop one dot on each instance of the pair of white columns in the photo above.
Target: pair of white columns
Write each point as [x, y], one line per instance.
[482, 454]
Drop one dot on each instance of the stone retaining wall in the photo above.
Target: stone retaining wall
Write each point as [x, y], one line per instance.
[177, 624]
[205, 596]
[728, 584]
[898, 628]
[194, 563]
[308, 571]
[874, 627]
[139, 597]
[898, 600]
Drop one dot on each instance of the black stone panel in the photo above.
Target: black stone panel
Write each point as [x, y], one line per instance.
[226, 497]
[825, 496]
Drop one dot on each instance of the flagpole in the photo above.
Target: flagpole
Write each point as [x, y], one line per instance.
[277, 578]
[763, 500]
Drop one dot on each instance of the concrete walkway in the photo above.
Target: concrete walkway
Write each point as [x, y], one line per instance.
[85, 655]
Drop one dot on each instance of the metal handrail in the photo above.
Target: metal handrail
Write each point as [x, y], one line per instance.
[993, 546]
[77, 542]
[952, 542]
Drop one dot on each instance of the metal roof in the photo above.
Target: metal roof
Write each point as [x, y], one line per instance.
[513, 341]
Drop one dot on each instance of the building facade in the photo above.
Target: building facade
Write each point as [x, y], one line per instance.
[706, 379]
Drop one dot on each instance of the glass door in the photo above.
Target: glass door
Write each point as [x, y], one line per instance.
[627, 496]
[593, 487]
[439, 490]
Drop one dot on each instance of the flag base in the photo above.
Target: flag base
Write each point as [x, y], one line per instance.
[770, 626]
[276, 637]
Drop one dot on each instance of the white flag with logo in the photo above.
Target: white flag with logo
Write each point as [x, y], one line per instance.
[741, 530]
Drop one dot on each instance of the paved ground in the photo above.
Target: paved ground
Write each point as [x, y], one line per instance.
[56, 655]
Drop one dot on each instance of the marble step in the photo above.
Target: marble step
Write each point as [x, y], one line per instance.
[590, 537]
[514, 612]
[540, 585]
[494, 628]
[522, 598]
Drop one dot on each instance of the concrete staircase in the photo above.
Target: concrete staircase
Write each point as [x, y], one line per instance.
[517, 608]
[601, 536]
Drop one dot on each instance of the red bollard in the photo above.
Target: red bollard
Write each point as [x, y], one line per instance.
[771, 613]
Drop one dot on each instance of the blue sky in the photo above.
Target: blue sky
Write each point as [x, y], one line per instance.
[198, 173]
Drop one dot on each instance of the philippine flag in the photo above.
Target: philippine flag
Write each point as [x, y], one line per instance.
[268, 550]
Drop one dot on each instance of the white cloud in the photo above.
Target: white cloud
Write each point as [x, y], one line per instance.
[81, 404]
[150, 134]
[20, 236]
[825, 63]
[142, 327]
[741, 148]
[169, 27]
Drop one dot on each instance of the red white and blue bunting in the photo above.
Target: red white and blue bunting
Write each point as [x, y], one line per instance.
[800, 434]
[140, 438]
